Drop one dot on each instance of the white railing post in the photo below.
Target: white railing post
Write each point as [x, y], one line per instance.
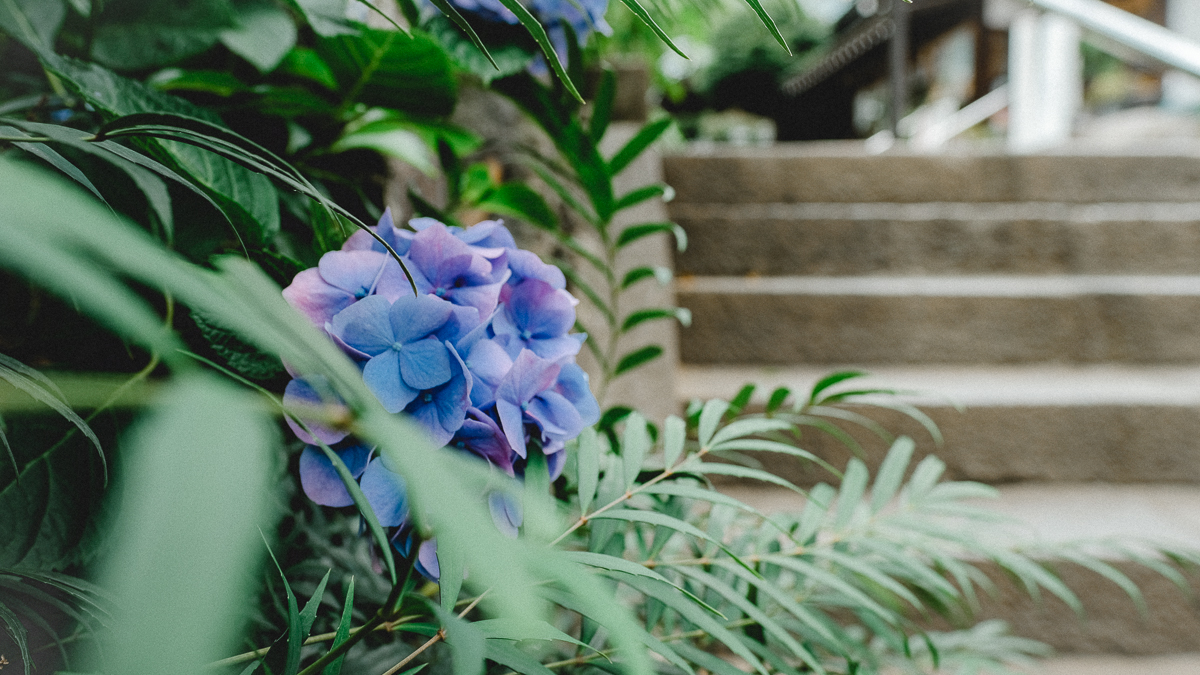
[1045, 80]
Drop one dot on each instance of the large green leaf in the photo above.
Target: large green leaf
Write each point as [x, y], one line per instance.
[195, 493]
[137, 34]
[393, 70]
[33, 22]
[507, 58]
[247, 198]
[263, 35]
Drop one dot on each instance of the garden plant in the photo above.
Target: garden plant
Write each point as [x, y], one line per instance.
[255, 422]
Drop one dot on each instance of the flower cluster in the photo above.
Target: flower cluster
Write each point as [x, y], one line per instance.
[482, 357]
[583, 16]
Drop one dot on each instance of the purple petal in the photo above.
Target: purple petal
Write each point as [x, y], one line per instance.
[481, 435]
[315, 298]
[482, 297]
[355, 272]
[489, 363]
[415, 318]
[300, 393]
[555, 461]
[386, 493]
[365, 326]
[489, 234]
[529, 376]
[425, 364]
[541, 310]
[527, 265]
[382, 377]
[555, 349]
[320, 479]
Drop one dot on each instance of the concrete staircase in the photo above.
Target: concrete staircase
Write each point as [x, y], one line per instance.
[1056, 297]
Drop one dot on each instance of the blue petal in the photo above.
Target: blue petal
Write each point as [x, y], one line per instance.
[301, 392]
[364, 325]
[416, 318]
[425, 364]
[427, 562]
[512, 420]
[506, 513]
[321, 481]
[386, 493]
[555, 415]
[382, 377]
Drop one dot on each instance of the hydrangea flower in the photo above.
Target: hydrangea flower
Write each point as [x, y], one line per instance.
[482, 358]
[583, 16]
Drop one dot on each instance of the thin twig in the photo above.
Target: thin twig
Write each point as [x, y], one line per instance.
[439, 636]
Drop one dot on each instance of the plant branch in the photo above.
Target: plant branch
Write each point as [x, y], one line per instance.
[439, 636]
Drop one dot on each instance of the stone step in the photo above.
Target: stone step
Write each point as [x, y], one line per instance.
[1003, 424]
[1172, 664]
[845, 172]
[942, 238]
[1068, 513]
[976, 319]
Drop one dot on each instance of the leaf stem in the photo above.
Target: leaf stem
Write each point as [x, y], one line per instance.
[25, 139]
[437, 637]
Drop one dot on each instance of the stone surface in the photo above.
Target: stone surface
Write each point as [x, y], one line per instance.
[879, 320]
[943, 238]
[844, 172]
[1002, 425]
[1173, 664]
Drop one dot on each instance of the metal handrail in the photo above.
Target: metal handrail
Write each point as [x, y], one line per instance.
[1130, 30]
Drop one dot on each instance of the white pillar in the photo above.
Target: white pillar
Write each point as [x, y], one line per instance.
[1181, 91]
[1045, 73]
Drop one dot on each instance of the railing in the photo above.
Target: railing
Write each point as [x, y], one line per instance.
[1045, 87]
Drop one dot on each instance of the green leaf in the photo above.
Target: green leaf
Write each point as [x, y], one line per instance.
[641, 13]
[247, 198]
[636, 145]
[307, 63]
[16, 629]
[588, 461]
[399, 143]
[777, 398]
[602, 105]
[520, 201]
[468, 646]
[754, 612]
[634, 444]
[710, 417]
[739, 472]
[891, 473]
[186, 536]
[682, 314]
[538, 33]
[501, 60]
[264, 34]
[854, 486]
[34, 23]
[452, 12]
[769, 23]
[327, 18]
[154, 33]
[51, 157]
[635, 232]
[693, 613]
[674, 436]
[343, 631]
[830, 380]
[506, 654]
[517, 629]
[623, 567]
[635, 197]
[243, 358]
[637, 358]
[309, 614]
[748, 427]
[392, 70]
[153, 188]
[662, 274]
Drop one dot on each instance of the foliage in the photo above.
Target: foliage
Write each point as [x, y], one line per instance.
[141, 437]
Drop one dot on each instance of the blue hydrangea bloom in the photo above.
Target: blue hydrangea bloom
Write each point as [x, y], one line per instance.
[320, 480]
[536, 316]
[527, 403]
